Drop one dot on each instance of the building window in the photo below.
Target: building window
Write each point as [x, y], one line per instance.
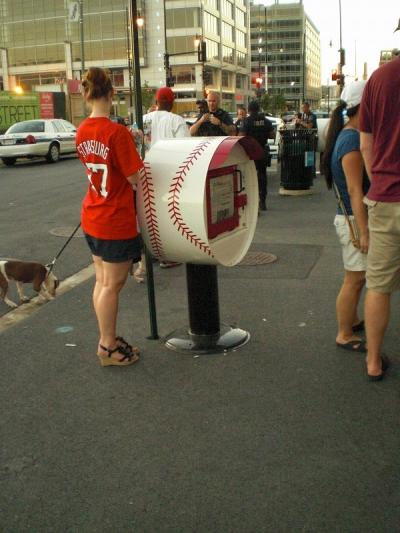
[117, 77]
[225, 79]
[179, 44]
[182, 75]
[227, 54]
[210, 23]
[183, 18]
[212, 50]
[240, 39]
[227, 32]
[227, 9]
[240, 81]
[241, 59]
[212, 3]
[240, 18]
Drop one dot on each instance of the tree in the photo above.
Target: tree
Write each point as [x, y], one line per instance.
[278, 104]
[148, 94]
[265, 102]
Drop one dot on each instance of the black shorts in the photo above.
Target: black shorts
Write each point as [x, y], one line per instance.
[116, 251]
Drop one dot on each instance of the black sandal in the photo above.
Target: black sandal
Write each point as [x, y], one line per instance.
[125, 344]
[129, 357]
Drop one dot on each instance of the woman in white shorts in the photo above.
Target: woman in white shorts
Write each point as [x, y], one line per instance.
[343, 166]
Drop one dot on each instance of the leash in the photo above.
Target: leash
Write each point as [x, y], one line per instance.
[51, 265]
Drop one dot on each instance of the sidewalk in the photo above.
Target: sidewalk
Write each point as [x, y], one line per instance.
[283, 435]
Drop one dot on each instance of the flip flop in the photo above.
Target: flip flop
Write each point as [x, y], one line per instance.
[385, 365]
[353, 346]
[358, 327]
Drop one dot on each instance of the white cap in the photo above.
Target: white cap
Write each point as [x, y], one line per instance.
[352, 93]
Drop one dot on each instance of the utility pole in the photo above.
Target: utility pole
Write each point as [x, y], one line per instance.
[342, 61]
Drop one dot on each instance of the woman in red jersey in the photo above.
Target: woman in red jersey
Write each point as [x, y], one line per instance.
[111, 161]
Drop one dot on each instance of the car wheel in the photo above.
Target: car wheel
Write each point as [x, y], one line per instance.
[9, 161]
[53, 154]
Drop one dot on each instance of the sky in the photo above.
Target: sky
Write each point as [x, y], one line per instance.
[367, 28]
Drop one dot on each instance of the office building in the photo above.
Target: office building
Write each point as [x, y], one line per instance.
[41, 46]
[285, 52]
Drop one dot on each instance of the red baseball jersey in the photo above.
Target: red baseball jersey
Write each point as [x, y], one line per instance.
[108, 153]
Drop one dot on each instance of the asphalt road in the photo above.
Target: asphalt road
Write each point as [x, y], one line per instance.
[37, 199]
[284, 435]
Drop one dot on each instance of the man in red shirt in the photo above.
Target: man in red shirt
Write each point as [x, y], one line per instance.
[380, 147]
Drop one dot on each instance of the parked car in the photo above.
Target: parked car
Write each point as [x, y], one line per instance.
[274, 143]
[48, 138]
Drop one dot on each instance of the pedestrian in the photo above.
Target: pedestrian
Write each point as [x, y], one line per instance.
[112, 164]
[241, 115]
[215, 123]
[380, 140]
[306, 119]
[256, 125]
[344, 170]
[202, 107]
[163, 124]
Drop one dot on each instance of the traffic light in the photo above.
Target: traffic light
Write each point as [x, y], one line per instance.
[207, 76]
[340, 80]
[259, 82]
[342, 57]
[334, 75]
[168, 71]
[202, 52]
[166, 61]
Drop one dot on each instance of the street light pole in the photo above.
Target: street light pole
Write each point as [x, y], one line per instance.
[129, 53]
[304, 63]
[139, 120]
[82, 38]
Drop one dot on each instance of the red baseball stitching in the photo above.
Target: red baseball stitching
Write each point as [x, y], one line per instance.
[174, 198]
[150, 210]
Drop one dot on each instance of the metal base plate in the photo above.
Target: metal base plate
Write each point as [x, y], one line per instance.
[228, 339]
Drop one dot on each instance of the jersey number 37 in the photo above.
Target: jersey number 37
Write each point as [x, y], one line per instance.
[97, 175]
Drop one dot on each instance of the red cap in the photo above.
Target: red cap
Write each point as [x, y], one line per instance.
[166, 94]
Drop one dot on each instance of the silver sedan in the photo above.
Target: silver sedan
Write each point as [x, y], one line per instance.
[46, 138]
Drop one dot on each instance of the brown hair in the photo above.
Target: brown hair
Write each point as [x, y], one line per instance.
[96, 84]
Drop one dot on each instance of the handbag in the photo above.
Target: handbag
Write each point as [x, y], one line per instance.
[354, 233]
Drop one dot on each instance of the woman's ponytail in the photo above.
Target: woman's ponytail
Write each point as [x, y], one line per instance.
[96, 84]
[336, 124]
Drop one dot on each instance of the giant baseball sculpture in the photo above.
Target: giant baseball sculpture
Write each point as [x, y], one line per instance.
[198, 204]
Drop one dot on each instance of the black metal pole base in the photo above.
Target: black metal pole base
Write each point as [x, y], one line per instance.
[227, 339]
[205, 334]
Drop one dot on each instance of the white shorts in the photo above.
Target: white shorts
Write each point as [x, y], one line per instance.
[353, 259]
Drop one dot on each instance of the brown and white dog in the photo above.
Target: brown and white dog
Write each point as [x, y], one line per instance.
[43, 281]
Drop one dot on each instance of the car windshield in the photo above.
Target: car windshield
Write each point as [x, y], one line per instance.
[33, 126]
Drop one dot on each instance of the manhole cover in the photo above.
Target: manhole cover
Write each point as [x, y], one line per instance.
[66, 231]
[257, 258]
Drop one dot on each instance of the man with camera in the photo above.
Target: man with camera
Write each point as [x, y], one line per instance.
[214, 123]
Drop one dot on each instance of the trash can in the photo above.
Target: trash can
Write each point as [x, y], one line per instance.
[297, 157]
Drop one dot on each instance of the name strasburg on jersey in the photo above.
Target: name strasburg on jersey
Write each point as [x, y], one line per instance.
[86, 148]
